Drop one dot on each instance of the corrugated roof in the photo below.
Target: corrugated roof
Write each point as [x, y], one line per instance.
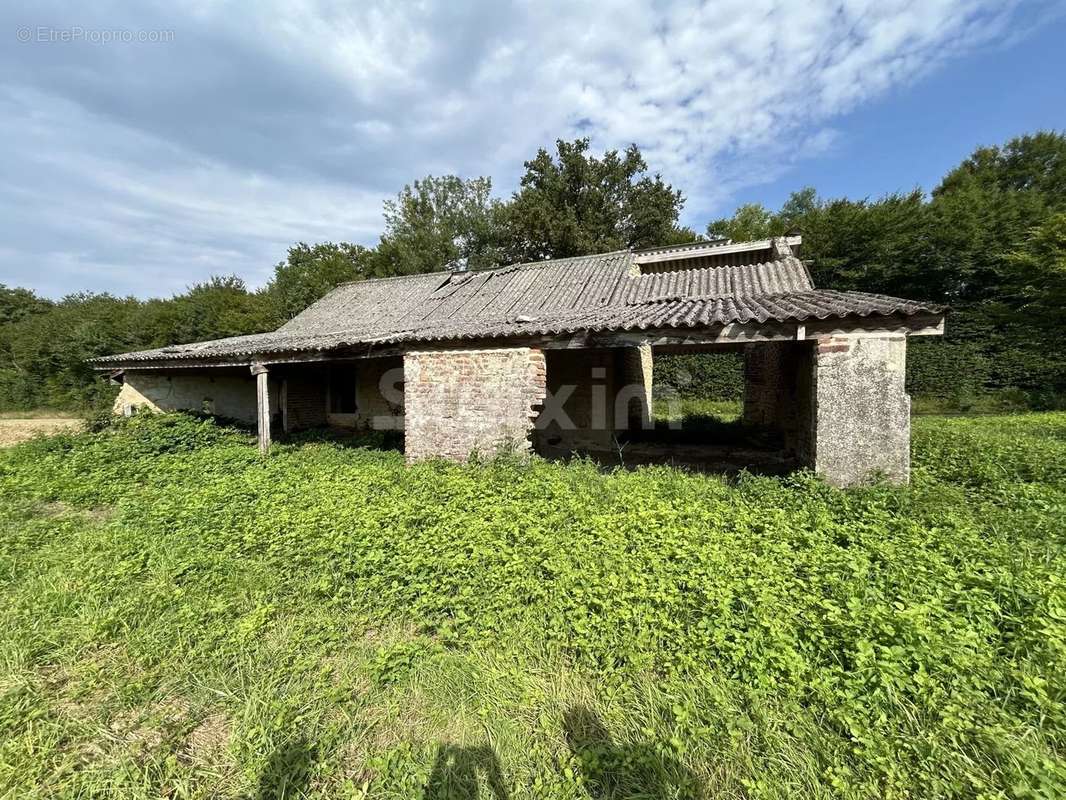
[604, 292]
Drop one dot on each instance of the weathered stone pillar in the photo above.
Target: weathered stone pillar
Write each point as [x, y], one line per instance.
[633, 403]
[262, 397]
[860, 411]
[459, 402]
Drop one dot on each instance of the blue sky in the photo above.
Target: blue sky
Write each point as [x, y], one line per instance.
[913, 135]
[145, 145]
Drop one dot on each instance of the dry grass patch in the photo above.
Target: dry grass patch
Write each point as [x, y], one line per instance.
[206, 744]
[13, 431]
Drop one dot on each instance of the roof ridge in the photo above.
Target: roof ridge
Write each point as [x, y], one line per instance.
[501, 267]
[771, 262]
[544, 261]
[384, 278]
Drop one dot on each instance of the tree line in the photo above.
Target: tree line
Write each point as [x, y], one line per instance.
[990, 241]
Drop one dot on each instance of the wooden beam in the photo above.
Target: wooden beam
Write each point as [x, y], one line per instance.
[270, 359]
[262, 398]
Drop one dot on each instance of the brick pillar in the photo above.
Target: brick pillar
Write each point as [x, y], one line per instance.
[459, 402]
[860, 411]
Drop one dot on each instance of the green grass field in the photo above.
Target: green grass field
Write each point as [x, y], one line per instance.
[181, 618]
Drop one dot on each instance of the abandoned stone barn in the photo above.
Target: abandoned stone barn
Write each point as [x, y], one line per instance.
[558, 356]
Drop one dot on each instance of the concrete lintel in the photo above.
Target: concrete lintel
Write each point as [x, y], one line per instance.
[753, 332]
[916, 325]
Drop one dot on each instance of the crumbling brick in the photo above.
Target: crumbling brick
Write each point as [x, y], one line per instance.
[460, 402]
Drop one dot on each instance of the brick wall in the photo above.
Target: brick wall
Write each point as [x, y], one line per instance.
[777, 391]
[766, 381]
[593, 396]
[305, 399]
[580, 414]
[459, 402]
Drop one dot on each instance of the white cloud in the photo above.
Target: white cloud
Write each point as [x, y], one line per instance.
[152, 219]
[146, 167]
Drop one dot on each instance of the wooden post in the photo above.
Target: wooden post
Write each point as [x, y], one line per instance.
[262, 396]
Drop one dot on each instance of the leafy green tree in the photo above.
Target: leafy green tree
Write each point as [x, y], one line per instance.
[1038, 264]
[754, 221]
[43, 356]
[986, 207]
[987, 242]
[1032, 163]
[44, 359]
[874, 246]
[439, 222]
[749, 222]
[16, 303]
[852, 244]
[993, 231]
[574, 204]
[309, 272]
[799, 206]
[216, 308]
[974, 224]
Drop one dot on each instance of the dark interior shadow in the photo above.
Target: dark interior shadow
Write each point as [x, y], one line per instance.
[347, 438]
[287, 773]
[456, 772]
[618, 771]
[701, 443]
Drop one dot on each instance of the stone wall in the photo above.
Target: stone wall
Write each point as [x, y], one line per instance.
[224, 394]
[635, 393]
[459, 402]
[380, 393]
[860, 420]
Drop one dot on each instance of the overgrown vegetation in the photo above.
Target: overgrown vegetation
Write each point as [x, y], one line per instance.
[180, 616]
[991, 242]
